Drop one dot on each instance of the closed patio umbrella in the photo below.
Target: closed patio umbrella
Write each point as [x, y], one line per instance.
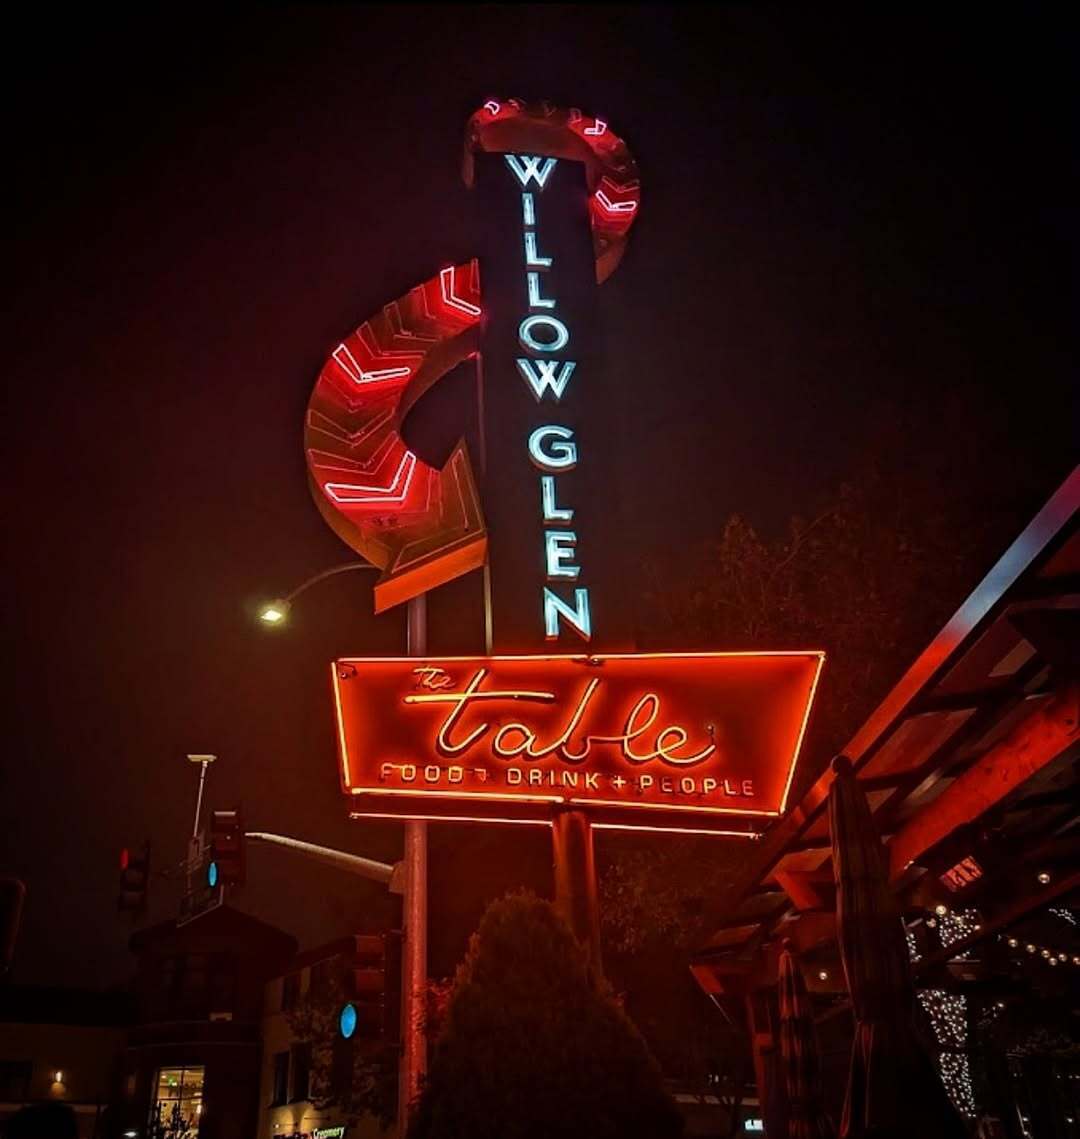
[894, 1090]
[800, 1055]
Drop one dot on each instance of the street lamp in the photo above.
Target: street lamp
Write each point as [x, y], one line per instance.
[413, 1060]
[276, 613]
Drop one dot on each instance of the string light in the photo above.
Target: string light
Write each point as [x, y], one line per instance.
[948, 1013]
[912, 945]
[958, 924]
[948, 1018]
[1047, 953]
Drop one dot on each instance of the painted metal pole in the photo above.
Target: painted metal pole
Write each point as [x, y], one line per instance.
[204, 761]
[414, 920]
[389, 875]
[195, 847]
[575, 879]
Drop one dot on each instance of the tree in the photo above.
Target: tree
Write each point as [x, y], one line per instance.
[357, 1076]
[534, 1046]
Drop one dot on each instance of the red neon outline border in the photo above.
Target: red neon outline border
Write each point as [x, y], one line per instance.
[496, 796]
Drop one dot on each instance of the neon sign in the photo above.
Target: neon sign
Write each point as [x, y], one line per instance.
[701, 739]
[552, 448]
[423, 526]
[963, 874]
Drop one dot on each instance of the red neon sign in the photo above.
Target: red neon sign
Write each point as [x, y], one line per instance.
[658, 741]
[966, 871]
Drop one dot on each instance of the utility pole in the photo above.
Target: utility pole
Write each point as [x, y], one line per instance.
[414, 921]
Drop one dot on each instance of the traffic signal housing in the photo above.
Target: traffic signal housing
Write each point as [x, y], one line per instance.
[373, 989]
[226, 865]
[134, 879]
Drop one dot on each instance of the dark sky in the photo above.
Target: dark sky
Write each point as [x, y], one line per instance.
[843, 210]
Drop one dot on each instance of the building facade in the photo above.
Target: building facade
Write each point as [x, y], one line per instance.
[192, 1056]
[306, 1063]
[62, 1046]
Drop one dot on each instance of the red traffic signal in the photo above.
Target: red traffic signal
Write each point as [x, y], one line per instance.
[134, 880]
[227, 846]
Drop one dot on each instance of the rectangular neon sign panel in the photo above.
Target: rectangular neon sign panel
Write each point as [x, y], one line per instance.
[682, 741]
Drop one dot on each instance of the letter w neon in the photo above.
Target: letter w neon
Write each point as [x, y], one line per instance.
[527, 167]
[546, 378]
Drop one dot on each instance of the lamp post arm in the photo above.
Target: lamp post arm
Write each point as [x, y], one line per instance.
[333, 571]
[352, 863]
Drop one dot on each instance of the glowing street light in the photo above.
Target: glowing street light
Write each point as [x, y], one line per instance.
[275, 614]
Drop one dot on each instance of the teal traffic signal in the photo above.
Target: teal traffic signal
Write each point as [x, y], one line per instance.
[226, 865]
[373, 988]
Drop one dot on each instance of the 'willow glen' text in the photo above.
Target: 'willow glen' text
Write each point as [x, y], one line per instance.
[544, 338]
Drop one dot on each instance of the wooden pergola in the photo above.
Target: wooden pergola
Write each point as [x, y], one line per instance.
[970, 766]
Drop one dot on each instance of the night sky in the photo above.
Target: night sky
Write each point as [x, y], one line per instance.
[843, 211]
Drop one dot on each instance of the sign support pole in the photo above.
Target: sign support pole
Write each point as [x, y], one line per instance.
[414, 920]
[575, 879]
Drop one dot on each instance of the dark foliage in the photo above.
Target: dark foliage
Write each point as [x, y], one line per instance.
[358, 1077]
[535, 1047]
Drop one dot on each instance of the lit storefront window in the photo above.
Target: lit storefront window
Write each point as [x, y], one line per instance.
[178, 1102]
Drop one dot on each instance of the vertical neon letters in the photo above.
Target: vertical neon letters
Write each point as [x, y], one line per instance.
[552, 448]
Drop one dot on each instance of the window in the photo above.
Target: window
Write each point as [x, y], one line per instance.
[290, 991]
[222, 983]
[301, 1071]
[193, 988]
[322, 976]
[184, 980]
[279, 1093]
[178, 1102]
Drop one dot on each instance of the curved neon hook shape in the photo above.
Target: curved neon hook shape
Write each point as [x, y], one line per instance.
[419, 525]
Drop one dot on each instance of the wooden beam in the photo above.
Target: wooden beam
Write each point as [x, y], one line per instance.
[1043, 535]
[808, 889]
[1032, 744]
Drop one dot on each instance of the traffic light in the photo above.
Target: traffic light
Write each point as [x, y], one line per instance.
[372, 989]
[134, 879]
[226, 864]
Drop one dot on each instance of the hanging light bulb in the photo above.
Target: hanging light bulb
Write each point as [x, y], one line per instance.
[1044, 878]
[1013, 943]
[941, 910]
